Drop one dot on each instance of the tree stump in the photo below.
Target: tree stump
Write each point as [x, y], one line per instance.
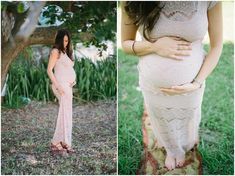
[153, 160]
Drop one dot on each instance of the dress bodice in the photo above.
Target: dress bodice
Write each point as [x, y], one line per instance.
[64, 60]
[64, 71]
[186, 19]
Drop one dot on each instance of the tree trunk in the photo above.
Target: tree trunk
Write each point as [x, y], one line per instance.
[42, 35]
[8, 53]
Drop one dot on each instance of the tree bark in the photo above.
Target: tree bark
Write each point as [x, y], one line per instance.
[42, 35]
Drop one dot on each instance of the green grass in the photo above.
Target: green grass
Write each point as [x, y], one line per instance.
[129, 115]
[216, 131]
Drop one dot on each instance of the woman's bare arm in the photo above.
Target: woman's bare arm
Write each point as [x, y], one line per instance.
[52, 61]
[128, 35]
[215, 30]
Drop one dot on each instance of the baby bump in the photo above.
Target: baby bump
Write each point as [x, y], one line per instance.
[65, 75]
[160, 71]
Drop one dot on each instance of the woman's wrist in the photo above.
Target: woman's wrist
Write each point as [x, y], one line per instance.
[155, 46]
[150, 47]
[142, 48]
[133, 47]
[57, 86]
[198, 82]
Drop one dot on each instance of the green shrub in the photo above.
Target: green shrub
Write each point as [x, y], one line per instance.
[30, 80]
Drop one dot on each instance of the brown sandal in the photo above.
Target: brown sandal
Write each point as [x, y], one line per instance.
[57, 149]
[69, 149]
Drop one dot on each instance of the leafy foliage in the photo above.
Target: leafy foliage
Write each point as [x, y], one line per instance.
[96, 80]
[95, 17]
[28, 80]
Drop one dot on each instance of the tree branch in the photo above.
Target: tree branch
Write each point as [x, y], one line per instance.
[46, 35]
[31, 21]
[43, 35]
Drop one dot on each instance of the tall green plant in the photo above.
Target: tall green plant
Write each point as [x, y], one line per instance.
[96, 80]
[28, 80]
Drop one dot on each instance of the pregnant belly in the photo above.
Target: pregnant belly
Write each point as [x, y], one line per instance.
[157, 71]
[67, 75]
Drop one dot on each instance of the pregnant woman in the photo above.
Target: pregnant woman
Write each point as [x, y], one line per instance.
[63, 79]
[173, 66]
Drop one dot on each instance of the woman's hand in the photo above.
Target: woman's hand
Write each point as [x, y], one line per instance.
[171, 47]
[72, 84]
[57, 90]
[185, 88]
[60, 90]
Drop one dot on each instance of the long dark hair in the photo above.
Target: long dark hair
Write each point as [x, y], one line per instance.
[59, 43]
[144, 13]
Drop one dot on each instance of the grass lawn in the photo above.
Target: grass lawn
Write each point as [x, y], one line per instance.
[216, 129]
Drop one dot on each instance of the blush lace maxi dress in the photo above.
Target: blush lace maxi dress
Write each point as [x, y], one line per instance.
[65, 75]
[175, 119]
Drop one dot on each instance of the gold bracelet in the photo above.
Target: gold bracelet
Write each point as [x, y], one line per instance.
[198, 82]
[132, 47]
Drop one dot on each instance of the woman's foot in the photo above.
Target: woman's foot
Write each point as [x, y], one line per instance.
[170, 162]
[57, 149]
[67, 148]
[180, 161]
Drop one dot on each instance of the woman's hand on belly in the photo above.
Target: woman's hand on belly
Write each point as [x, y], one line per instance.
[172, 47]
[72, 84]
[180, 89]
